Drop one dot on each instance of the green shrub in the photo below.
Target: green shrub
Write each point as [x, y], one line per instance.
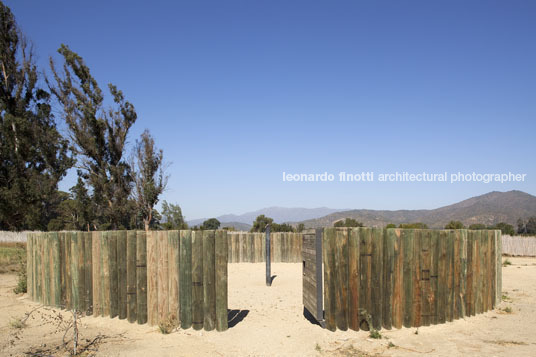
[168, 325]
[22, 277]
[17, 324]
[375, 334]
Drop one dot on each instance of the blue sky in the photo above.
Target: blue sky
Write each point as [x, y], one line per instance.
[237, 92]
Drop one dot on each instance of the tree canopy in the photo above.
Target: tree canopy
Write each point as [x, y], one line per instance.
[348, 222]
[505, 228]
[527, 226]
[34, 157]
[211, 223]
[149, 177]
[283, 227]
[454, 225]
[415, 225]
[99, 136]
[260, 223]
[172, 216]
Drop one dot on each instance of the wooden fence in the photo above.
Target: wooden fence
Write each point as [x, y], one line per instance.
[145, 277]
[15, 237]
[407, 277]
[519, 246]
[245, 247]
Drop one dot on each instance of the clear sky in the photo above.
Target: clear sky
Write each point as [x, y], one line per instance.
[237, 92]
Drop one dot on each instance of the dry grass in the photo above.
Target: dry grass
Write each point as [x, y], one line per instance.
[348, 351]
[10, 255]
[505, 311]
[17, 323]
[507, 343]
[168, 325]
[505, 297]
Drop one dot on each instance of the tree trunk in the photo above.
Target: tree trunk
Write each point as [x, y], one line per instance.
[147, 221]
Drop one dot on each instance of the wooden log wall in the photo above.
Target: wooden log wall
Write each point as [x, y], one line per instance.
[390, 278]
[246, 247]
[144, 277]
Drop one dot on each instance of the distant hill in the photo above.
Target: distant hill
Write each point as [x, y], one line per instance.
[489, 209]
[237, 226]
[279, 214]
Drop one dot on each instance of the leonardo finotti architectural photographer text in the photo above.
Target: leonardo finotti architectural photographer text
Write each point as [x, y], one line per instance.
[370, 176]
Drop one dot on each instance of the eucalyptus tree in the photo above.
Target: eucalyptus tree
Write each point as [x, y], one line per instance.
[172, 216]
[99, 136]
[34, 156]
[150, 179]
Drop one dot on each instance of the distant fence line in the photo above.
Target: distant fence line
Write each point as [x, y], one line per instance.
[145, 277]
[244, 246]
[14, 237]
[519, 246]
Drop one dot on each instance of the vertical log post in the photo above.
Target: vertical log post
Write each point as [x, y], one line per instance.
[268, 258]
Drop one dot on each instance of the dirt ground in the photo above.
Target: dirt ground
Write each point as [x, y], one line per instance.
[269, 321]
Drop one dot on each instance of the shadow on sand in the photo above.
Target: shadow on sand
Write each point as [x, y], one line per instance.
[234, 317]
[310, 317]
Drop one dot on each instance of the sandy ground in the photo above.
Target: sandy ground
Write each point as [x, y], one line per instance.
[270, 322]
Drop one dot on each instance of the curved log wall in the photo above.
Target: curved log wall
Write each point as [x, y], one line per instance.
[408, 277]
[175, 277]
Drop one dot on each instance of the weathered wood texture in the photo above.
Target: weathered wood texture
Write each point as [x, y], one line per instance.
[209, 277]
[312, 275]
[122, 274]
[131, 276]
[353, 279]
[341, 276]
[197, 281]
[247, 247]
[185, 278]
[88, 272]
[389, 238]
[220, 266]
[173, 274]
[154, 277]
[394, 277]
[328, 257]
[372, 277]
[141, 277]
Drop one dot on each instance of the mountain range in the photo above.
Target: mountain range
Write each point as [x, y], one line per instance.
[279, 214]
[489, 209]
